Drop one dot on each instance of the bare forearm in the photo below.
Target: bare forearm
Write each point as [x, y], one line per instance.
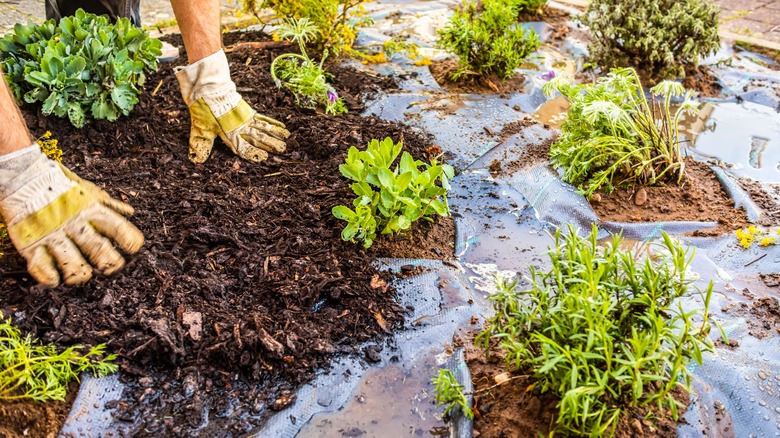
[14, 134]
[199, 24]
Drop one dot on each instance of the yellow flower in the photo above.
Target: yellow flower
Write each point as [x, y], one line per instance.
[752, 229]
[766, 241]
[422, 62]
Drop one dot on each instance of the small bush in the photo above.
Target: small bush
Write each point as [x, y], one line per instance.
[86, 67]
[390, 201]
[39, 372]
[487, 38]
[338, 20]
[660, 37]
[603, 330]
[611, 135]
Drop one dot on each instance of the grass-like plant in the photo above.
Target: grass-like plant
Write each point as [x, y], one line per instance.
[487, 38]
[307, 79]
[390, 201]
[449, 393]
[660, 37]
[614, 135]
[39, 372]
[86, 67]
[604, 329]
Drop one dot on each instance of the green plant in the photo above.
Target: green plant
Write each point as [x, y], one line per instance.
[450, 393]
[307, 79]
[39, 372]
[390, 200]
[604, 329]
[613, 135]
[487, 38]
[658, 36]
[86, 67]
[338, 20]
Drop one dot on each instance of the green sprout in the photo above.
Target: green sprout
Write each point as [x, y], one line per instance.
[450, 393]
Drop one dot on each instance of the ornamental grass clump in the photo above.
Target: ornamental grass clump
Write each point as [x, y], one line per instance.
[614, 135]
[488, 39]
[29, 370]
[390, 201]
[604, 329]
[660, 37]
[86, 67]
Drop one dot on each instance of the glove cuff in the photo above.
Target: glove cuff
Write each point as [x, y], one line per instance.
[209, 79]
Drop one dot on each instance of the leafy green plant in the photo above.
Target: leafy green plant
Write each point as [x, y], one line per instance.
[450, 393]
[338, 20]
[39, 372]
[307, 79]
[614, 135]
[660, 37]
[604, 328]
[487, 38]
[390, 201]
[86, 67]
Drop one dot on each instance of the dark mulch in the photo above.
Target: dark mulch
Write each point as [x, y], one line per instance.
[244, 288]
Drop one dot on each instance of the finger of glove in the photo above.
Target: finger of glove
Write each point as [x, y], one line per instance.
[270, 121]
[278, 131]
[245, 149]
[259, 139]
[118, 206]
[201, 144]
[98, 249]
[115, 227]
[41, 266]
[75, 270]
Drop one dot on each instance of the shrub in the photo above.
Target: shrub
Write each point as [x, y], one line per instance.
[603, 330]
[86, 67]
[611, 134]
[659, 37]
[390, 200]
[487, 38]
[338, 20]
[39, 372]
[307, 79]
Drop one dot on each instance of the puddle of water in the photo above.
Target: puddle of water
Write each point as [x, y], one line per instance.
[744, 136]
[553, 112]
[392, 401]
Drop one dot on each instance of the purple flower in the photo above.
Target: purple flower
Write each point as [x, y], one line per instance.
[549, 75]
[332, 96]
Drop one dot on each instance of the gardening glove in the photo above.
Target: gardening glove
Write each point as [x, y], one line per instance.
[55, 219]
[217, 109]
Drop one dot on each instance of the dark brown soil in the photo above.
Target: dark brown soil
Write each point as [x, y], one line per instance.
[29, 418]
[771, 280]
[769, 206]
[765, 51]
[244, 288]
[517, 410]
[762, 315]
[485, 84]
[702, 80]
[557, 18]
[700, 197]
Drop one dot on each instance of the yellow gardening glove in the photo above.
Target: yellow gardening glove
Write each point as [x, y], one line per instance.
[55, 219]
[216, 108]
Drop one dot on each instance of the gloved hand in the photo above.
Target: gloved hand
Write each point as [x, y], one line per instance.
[55, 219]
[216, 108]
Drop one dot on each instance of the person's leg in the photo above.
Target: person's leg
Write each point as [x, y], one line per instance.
[200, 28]
[14, 135]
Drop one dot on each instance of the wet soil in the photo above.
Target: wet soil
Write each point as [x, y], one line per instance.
[765, 201]
[29, 418]
[700, 197]
[762, 315]
[700, 79]
[516, 410]
[244, 288]
[557, 18]
[484, 84]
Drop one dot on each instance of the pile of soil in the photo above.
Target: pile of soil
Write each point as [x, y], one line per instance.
[478, 84]
[514, 409]
[557, 18]
[244, 288]
[767, 202]
[700, 79]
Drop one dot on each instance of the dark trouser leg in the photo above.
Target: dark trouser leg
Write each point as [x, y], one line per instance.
[114, 8]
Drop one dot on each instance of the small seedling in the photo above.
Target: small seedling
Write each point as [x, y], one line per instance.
[604, 329]
[613, 135]
[298, 73]
[86, 67]
[450, 393]
[29, 370]
[488, 39]
[390, 201]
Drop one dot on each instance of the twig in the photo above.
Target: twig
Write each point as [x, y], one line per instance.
[750, 263]
[497, 384]
[157, 88]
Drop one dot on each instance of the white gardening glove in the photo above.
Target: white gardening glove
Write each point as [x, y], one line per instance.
[55, 219]
[216, 108]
